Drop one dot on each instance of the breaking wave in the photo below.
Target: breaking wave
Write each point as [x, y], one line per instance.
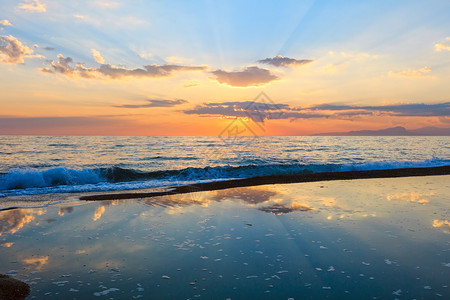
[26, 181]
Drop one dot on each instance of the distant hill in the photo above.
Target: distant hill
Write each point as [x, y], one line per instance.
[394, 131]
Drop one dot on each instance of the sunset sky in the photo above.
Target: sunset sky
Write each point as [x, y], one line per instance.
[135, 67]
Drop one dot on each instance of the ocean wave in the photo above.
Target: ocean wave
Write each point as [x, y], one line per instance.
[65, 180]
[31, 178]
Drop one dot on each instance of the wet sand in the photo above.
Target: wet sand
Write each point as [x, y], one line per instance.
[349, 239]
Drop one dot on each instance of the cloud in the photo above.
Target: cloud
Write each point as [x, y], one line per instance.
[63, 66]
[441, 47]
[12, 51]
[419, 73]
[147, 71]
[4, 23]
[33, 6]
[259, 112]
[98, 58]
[49, 48]
[280, 61]
[155, 103]
[250, 76]
[404, 110]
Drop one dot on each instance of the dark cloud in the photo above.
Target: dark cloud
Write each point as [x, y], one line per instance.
[250, 76]
[405, 110]
[280, 61]
[12, 51]
[63, 66]
[269, 111]
[257, 111]
[154, 103]
[49, 48]
[146, 71]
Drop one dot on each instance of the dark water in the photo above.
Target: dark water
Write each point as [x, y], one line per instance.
[362, 239]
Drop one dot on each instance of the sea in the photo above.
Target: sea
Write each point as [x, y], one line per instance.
[384, 238]
[33, 165]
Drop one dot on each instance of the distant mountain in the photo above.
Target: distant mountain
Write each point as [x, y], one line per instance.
[394, 131]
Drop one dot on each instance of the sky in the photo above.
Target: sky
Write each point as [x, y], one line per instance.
[135, 67]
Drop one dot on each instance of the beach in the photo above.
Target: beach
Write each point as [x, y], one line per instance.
[340, 239]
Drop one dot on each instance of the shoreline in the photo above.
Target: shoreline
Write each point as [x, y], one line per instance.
[275, 179]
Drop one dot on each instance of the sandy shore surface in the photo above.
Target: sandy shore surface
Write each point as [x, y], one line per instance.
[355, 239]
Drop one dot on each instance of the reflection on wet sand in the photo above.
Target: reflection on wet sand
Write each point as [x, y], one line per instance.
[63, 210]
[101, 209]
[444, 225]
[249, 195]
[13, 220]
[36, 262]
[266, 199]
[411, 197]
[98, 213]
[279, 209]
[301, 239]
[173, 201]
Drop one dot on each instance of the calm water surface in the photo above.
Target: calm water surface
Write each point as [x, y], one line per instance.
[362, 239]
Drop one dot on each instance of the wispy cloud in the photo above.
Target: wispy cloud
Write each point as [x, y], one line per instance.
[405, 110]
[257, 111]
[442, 46]
[411, 73]
[250, 76]
[63, 66]
[12, 51]
[263, 111]
[97, 56]
[33, 6]
[280, 61]
[154, 103]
